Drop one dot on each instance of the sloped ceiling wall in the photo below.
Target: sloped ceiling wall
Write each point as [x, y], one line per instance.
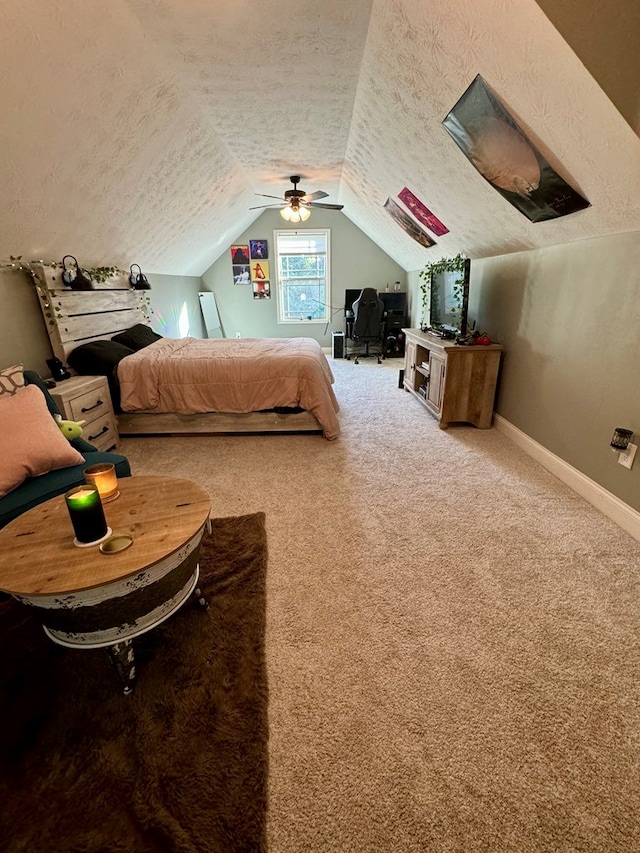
[141, 130]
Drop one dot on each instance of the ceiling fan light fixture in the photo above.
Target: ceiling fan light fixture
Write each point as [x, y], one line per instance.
[295, 213]
[290, 213]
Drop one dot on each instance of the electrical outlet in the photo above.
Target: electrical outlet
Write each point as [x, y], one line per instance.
[238, 335]
[627, 456]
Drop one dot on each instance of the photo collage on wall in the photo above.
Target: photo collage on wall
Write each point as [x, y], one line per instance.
[250, 265]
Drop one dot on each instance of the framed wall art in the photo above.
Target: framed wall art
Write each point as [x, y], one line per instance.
[259, 250]
[496, 146]
[239, 255]
[409, 225]
[422, 213]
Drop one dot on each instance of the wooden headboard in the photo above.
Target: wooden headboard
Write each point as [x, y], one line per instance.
[75, 317]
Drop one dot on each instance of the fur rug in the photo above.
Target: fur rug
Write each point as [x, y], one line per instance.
[178, 765]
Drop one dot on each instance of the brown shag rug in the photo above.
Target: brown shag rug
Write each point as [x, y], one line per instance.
[178, 765]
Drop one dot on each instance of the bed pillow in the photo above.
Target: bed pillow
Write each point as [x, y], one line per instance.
[98, 358]
[30, 440]
[137, 337]
[11, 380]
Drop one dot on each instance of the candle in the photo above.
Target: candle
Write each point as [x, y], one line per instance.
[103, 475]
[87, 515]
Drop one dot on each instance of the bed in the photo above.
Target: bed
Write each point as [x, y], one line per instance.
[186, 385]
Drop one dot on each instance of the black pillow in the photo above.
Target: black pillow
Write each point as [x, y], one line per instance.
[137, 337]
[98, 358]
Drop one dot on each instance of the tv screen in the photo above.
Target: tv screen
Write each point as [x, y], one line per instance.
[449, 300]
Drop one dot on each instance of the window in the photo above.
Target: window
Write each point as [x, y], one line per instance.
[302, 270]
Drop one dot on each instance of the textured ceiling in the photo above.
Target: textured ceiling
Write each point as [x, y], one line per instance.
[140, 130]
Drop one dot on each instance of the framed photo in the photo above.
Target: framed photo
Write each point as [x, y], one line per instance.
[492, 141]
[239, 255]
[259, 250]
[241, 274]
[261, 289]
[409, 225]
[259, 270]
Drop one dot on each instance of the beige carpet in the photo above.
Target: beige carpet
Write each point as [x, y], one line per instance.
[452, 634]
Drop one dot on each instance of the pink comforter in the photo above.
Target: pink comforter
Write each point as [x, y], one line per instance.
[190, 375]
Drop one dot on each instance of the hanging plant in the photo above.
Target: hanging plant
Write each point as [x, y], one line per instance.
[455, 265]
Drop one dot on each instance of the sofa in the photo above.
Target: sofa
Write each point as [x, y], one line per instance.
[37, 489]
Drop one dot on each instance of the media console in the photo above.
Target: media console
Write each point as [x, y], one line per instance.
[457, 384]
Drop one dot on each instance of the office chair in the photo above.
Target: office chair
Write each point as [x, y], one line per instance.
[368, 310]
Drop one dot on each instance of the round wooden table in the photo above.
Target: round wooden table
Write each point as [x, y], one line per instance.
[89, 599]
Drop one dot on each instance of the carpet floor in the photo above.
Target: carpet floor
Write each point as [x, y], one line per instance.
[452, 634]
[180, 764]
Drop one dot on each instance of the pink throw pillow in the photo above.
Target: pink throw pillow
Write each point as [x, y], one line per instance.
[30, 440]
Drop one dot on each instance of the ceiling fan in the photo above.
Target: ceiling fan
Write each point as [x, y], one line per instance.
[296, 203]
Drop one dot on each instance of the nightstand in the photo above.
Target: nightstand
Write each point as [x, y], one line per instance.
[87, 398]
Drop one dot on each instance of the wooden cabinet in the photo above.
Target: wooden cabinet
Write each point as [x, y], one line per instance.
[455, 383]
[87, 398]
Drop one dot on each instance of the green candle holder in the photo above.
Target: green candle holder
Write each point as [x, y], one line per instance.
[87, 516]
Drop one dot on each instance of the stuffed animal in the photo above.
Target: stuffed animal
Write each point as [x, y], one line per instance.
[69, 429]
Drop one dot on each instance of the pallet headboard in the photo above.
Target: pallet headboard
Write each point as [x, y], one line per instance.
[75, 317]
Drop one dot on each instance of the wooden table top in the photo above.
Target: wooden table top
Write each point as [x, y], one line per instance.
[38, 557]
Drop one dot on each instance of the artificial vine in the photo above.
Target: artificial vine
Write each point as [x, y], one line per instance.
[100, 274]
[97, 274]
[455, 264]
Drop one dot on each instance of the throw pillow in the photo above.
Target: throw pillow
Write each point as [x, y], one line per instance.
[97, 358]
[11, 380]
[137, 337]
[30, 441]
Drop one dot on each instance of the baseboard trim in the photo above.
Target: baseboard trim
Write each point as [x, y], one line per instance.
[619, 512]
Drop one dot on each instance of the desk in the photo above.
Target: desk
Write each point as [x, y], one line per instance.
[87, 599]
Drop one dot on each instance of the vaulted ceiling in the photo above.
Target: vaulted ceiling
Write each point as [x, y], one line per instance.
[141, 130]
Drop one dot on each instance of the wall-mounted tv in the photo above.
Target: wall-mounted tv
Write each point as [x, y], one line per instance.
[449, 301]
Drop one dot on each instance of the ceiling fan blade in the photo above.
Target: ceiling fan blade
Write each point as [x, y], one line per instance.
[326, 206]
[264, 195]
[260, 206]
[313, 196]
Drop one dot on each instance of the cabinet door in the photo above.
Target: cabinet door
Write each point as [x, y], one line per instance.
[410, 366]
[436, 380]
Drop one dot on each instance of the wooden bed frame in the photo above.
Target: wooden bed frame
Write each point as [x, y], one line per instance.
[75, 317]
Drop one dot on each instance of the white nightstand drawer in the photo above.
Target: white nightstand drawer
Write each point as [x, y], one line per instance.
[88, 406]
[87, 398]
[100, 432]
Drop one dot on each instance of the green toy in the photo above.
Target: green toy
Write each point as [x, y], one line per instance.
[69, 429]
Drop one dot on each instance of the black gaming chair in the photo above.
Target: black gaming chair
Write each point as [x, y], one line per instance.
[368, 310]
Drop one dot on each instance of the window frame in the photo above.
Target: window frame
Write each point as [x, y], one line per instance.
[279, 286]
